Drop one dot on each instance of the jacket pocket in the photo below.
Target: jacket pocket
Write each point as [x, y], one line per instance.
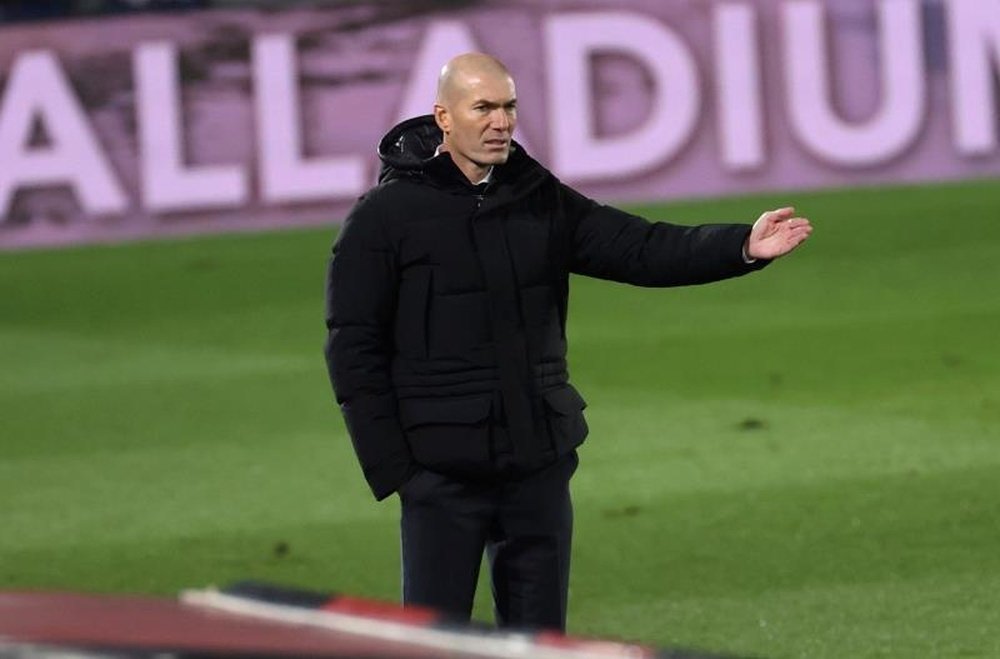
[564, 418]
[450, 435]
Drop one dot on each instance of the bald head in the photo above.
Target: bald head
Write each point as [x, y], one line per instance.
[467, 70]
[476, 110]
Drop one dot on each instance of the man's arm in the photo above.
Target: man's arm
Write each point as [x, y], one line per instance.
[612, 244]
[361, 289]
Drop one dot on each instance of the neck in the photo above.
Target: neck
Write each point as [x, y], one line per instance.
[472, 170]
[475, 173]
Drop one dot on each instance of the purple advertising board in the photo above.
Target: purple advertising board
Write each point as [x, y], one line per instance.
[221, 120]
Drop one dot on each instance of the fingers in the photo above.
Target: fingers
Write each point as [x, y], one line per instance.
[781, 214]
[796, 234]
[799, 234]
[796, 226]
[777, 214]
[774, 217]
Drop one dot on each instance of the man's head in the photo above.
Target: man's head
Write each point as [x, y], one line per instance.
[476, 108]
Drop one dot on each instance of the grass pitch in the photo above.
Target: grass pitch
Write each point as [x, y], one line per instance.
[803, 462]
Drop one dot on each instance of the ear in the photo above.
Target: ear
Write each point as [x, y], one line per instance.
[442, 118]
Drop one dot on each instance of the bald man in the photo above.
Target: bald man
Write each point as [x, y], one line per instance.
[446, 315]
[476, 110]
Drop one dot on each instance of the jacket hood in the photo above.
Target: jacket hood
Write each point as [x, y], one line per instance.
[407, 150]
[410, 145]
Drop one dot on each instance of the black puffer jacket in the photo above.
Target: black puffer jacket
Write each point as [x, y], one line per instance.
[446, 307]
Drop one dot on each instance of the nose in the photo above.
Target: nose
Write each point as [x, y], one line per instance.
[500, 120]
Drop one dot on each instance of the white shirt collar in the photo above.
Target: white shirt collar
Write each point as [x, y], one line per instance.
[485, 179]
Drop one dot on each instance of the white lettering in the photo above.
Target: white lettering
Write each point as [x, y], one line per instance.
[285, 175]
[167, 184]
[973, 36]
[442, 41]
[38, 89]
[807, 71]
[570, 42]
[738, 86]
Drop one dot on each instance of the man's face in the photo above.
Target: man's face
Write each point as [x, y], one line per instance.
[478, 122]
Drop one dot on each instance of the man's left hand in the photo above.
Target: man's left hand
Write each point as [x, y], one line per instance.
[776, 233]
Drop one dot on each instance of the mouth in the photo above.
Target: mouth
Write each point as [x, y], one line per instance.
[497, 144]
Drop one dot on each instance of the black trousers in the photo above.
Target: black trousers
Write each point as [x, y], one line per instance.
[524, 524]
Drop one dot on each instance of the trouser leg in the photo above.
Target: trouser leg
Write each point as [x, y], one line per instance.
[529, 549]
[444, 525]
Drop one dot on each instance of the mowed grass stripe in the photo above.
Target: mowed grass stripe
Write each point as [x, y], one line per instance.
[949, 615]
[729, 445]
[154, 493]
[249, 408]
[37, 362]
[762, 539]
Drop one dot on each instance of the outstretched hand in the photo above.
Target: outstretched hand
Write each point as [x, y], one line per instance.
[776, 233]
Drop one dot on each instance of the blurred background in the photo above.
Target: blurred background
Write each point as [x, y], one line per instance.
[804, 462]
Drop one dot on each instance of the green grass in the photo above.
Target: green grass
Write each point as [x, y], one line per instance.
[800, 463]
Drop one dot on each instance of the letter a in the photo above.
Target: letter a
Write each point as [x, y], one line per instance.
[38, 89]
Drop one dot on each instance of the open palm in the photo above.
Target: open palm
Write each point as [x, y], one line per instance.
[777, 233]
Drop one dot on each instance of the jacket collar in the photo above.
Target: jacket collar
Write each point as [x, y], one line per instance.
[409, 151]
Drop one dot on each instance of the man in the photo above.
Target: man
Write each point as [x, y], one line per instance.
[446, 309]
